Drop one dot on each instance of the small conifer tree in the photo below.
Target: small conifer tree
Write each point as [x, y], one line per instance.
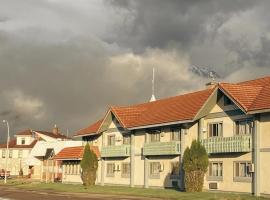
[195, 164]
[89, 165]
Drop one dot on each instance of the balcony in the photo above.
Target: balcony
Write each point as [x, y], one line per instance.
[162, 148]
[233, 144]
[115, 151]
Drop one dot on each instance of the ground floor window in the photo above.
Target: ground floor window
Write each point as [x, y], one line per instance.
[215, 170]
[125, 170]
[242, 171]
[175, 169]
[155, 169]
[3, 153]
[110, 169]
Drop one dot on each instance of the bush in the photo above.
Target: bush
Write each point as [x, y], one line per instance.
[195, 163]
[89, 165]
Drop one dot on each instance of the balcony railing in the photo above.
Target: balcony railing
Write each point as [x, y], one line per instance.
[115, 151]
[242, 143]
[162, 148]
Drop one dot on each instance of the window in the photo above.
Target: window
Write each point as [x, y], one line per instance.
[215, 170]
[10, 153]
[111, 140]
[154, 169]
[244, 127]
[241, 169]
[125, 170]
[3, 153]
[175, 134]
[20, 153]
[126, 139]
[110, 169]
[215, 129]
[227, 101]
[175, 169]
[154, 135]
[23, 141]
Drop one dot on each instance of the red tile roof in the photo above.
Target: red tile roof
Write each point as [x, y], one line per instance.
[92, 129]
[25, 132]
[250, 95]
[173, 109]
[13, 145]
[50, 134]
[74, 153]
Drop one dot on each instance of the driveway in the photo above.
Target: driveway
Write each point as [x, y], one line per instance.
[13, 193]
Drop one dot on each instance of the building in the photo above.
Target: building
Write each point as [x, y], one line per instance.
[19, 149]
[70, 158]
[41, 161]
[142, 145]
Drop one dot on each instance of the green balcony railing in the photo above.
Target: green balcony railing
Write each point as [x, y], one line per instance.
[115, 151]
[161, 148]
[242, 143]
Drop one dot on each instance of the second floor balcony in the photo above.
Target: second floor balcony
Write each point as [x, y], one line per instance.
[115, 151]
[234, 144]
[162, 148]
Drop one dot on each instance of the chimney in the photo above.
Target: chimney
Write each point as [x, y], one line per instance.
[55, 130]
[211, 85]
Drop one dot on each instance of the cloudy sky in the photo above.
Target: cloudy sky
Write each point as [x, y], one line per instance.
[64, 62]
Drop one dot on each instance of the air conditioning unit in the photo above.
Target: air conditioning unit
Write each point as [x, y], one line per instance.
[213, 185]
[250, 168]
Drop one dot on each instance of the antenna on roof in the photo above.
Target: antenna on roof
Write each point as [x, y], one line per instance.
[67, 132]
[153, 98]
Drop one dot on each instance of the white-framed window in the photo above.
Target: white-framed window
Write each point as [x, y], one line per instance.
[126, 139]
[216, 169]
[244, 127]
[3, 153]
[110, 169]
[154, 135]
[125, 170]
[20, 153]
[175, 134]
[111, 140]
[10, 153]
[241, 169]
[175, 169]
[154, 169]
[215, 129]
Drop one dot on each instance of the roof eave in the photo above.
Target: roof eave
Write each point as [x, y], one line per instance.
[161, 124]
[87, 134]
[252, 112]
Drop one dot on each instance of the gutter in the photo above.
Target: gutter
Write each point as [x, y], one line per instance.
[162, 124]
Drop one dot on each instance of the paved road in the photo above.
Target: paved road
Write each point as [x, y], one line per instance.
[13, 193]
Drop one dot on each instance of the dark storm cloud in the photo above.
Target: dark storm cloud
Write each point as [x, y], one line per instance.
[64, 62]
[158, 23]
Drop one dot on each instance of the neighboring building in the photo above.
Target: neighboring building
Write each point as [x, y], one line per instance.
[143, 145]
[19, 149]
[40, 161]
[70, 159]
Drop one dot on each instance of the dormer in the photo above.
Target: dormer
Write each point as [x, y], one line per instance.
[24, 138]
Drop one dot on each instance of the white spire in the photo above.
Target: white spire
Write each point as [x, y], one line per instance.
[153, 98]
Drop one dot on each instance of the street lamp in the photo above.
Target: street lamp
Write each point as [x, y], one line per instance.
[7, 153]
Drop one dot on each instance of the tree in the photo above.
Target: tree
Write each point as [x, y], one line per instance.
[195, 164]
[89, 165]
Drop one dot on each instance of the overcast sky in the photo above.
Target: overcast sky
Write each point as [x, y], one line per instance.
[64, 62]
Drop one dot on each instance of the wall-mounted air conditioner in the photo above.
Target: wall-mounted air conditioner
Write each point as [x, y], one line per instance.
[213, 185]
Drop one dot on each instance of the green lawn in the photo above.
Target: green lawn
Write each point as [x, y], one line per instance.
[158, 193]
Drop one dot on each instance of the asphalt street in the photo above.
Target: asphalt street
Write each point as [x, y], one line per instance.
[13, 193]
